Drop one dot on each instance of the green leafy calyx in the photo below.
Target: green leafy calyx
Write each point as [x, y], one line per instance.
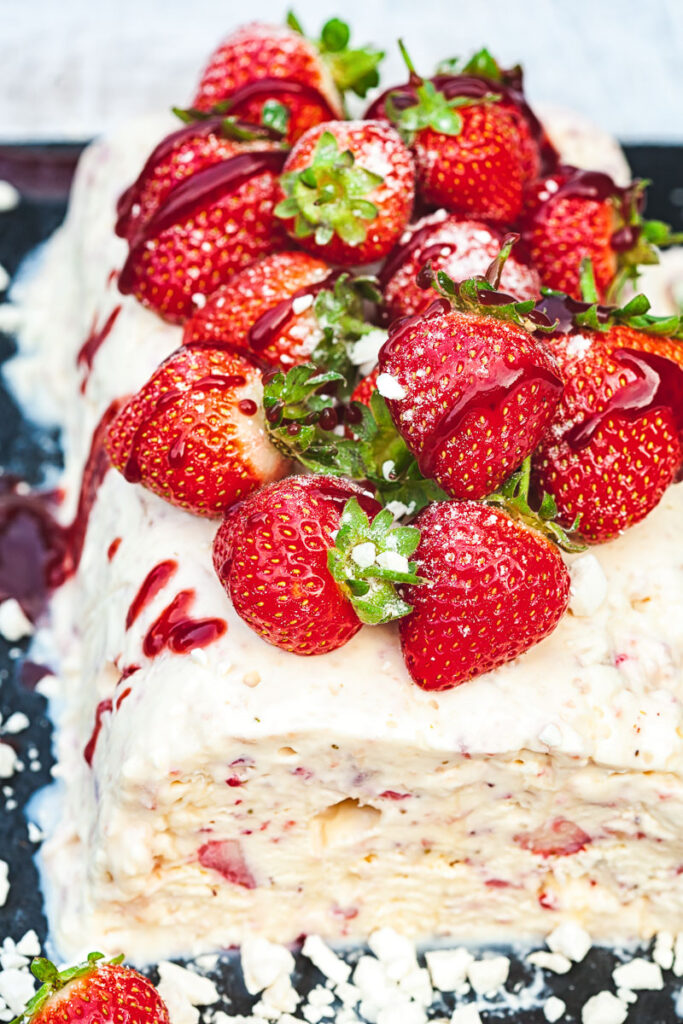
[353, 70]
[369, 558]
[635, 239]
[273, 126]
[326, 198]
[432, 109]
[303, 419]
[52, 980]
[479, 295]
[481, 64]
[339, 312]
[513, 497]
[594, 316]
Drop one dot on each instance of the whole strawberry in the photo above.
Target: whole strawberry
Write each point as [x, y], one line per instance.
[195, 432]
[347, 191]
[260, 68]
[306, 561]
[200, 211]
[470, 390]
[285, 309]
[460, 248]
[496, 587]
[97, 990]
[615, 442]
[469, 154]
[573, 215]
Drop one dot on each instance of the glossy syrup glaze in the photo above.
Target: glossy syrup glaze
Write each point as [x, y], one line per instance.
[267, 328]
[155, 580]
[92, 344]
[177, 632]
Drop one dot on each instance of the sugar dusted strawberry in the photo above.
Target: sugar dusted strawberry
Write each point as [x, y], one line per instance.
[267, 309]
[201, 210]
[347, 191]
[96, 990]
[572, 215]
[614, 445]
[469, 155]
[460, 248]
[496, 588]
[470, 390]
[306, 561]
[194, 433]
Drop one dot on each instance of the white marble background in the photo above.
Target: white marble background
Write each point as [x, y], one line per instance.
[72, 68]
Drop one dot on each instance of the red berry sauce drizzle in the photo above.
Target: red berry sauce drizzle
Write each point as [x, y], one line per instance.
[102, 708]
[155, 580]
[658, 383]
[266, 328]
[38, 554]
[574, 183]
[93, 343]
[198, 192]
[176, 631]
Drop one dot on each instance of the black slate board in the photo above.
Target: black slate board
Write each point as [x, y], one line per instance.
[29, 452]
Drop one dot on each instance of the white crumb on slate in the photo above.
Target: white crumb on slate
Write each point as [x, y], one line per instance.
[448, 967]
[8, 761]
[4, 279]
[604, 1008]
[14, 624]
[553, 1009]
[571, 940]
[183, 991]
[488, 976]
[9, 197]
[638, 974]
[263, 963]
[16, 722]
[4, 882]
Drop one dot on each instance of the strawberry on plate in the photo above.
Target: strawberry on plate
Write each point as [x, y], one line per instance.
[572, 215]
[470, 390]
[615, 442]
[96, 990]
[306, 561]
[347, 191]
[200, 211]
[260, 68]
[460, 248]
[195, 433]
[285, 309]
[469, 154]
[496, 588]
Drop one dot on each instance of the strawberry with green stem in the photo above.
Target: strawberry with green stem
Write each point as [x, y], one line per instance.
[347, 191]
[96, 990]
[615, 442]
[469, 388]
[497, 585]
[467, 145]
[264, 64]
[572, 215]
[307, 561]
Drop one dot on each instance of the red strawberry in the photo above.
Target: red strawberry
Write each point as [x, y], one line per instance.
[557, 838]
[260, 66]
[290, 559]
[574, 215]
[614, 445]
[461, 248]
[469, 154]
[496, 587]
[348, 188]
[200, 211]
[194, 433]
[365, 389]
[97, 990]
[267, 309]
[470, 391]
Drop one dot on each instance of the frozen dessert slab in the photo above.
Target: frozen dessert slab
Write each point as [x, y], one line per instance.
[236, 788]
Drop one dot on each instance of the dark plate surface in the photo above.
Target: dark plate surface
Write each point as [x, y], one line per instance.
[43, 174]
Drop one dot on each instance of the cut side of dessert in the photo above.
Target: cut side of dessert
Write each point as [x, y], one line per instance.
[215, 783]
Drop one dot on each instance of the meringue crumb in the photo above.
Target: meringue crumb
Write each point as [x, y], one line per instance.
[251, 678]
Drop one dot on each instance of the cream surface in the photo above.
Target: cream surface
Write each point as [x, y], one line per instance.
[335, 794]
